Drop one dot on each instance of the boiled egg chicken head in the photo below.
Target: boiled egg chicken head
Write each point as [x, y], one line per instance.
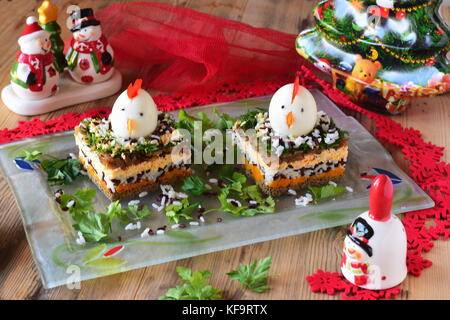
[134, 113]
[292, 111]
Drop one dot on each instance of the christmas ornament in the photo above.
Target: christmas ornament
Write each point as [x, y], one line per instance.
[375, 246]
[39, 81]
[407, 40]
[33, 75]
[90, 58]
[134, 114]
[292, 110]
[48, 14]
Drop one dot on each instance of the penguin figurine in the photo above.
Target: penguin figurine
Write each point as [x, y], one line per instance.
[134, 114]
[293, 110]
[375, 246]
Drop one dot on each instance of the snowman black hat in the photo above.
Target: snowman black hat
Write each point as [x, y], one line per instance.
[360, 233]
[83, 18]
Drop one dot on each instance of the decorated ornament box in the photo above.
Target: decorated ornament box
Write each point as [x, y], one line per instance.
[381, 53]
[43, 79]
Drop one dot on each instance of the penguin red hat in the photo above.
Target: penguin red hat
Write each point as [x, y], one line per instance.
[32, 31]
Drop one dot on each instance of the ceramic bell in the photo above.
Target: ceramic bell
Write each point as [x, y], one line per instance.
[90, 58]
[293, 110]
[375, 245]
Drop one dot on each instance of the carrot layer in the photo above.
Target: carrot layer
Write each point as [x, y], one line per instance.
[286, 182]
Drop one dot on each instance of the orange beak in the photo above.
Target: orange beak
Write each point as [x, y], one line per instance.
[290, 119]
[130, 126]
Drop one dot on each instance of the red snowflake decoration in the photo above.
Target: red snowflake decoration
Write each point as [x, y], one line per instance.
[326, 282]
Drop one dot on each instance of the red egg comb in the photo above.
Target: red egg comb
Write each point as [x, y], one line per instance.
[296, 88]
[380, 198]
[133, 89]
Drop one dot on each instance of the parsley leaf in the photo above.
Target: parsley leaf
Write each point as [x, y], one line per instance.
[30, 155]
[248, 119]
[138, 212]
[193, 185]
[96, 226]
[82, 201]
[59, 171]
[326, 191]
[193, 287]
[224, 121]
[253, 276]
[180, 209]
[236, 190]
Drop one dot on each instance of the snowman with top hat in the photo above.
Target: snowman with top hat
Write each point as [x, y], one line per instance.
[33, 75]
[90, 58]
[375, 245]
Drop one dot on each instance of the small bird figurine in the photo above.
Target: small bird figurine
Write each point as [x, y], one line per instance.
[134, 113]
[293, 110]
[375, 246]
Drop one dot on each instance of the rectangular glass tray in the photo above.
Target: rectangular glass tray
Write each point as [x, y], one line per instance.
[52, 238]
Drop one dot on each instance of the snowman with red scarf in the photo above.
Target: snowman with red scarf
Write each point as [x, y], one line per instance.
[33, 75]
[90, 58]
[375, 246]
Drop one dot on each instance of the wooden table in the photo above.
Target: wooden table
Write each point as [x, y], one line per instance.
[294, 257]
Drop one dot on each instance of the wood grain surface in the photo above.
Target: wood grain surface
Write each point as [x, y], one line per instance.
[294, 257]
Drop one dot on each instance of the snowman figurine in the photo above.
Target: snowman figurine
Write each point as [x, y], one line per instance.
[33, 75]
[292, 110]
[134, 114]
[375, 246]
[90, 58]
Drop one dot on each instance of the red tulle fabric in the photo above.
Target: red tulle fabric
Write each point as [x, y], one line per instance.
[177, 48]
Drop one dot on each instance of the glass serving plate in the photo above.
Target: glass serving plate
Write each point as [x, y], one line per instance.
[60, 260]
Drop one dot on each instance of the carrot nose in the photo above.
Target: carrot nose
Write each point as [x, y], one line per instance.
[351, 251]
[130, 123]
[289, 119]
[80, 35]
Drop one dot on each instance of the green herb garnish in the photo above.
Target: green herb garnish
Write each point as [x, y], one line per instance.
[96, 226]
[62, 171]
[327, 191]
[184, 209]
[253, 276]
[235, 191]
[59, 171]
[193, 185]
[249, 120]
[194, 287]
[31, 155]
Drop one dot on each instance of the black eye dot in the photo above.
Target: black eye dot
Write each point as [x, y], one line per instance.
[302, 110]
[141, 114]
[123, 109]
[282, 107]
